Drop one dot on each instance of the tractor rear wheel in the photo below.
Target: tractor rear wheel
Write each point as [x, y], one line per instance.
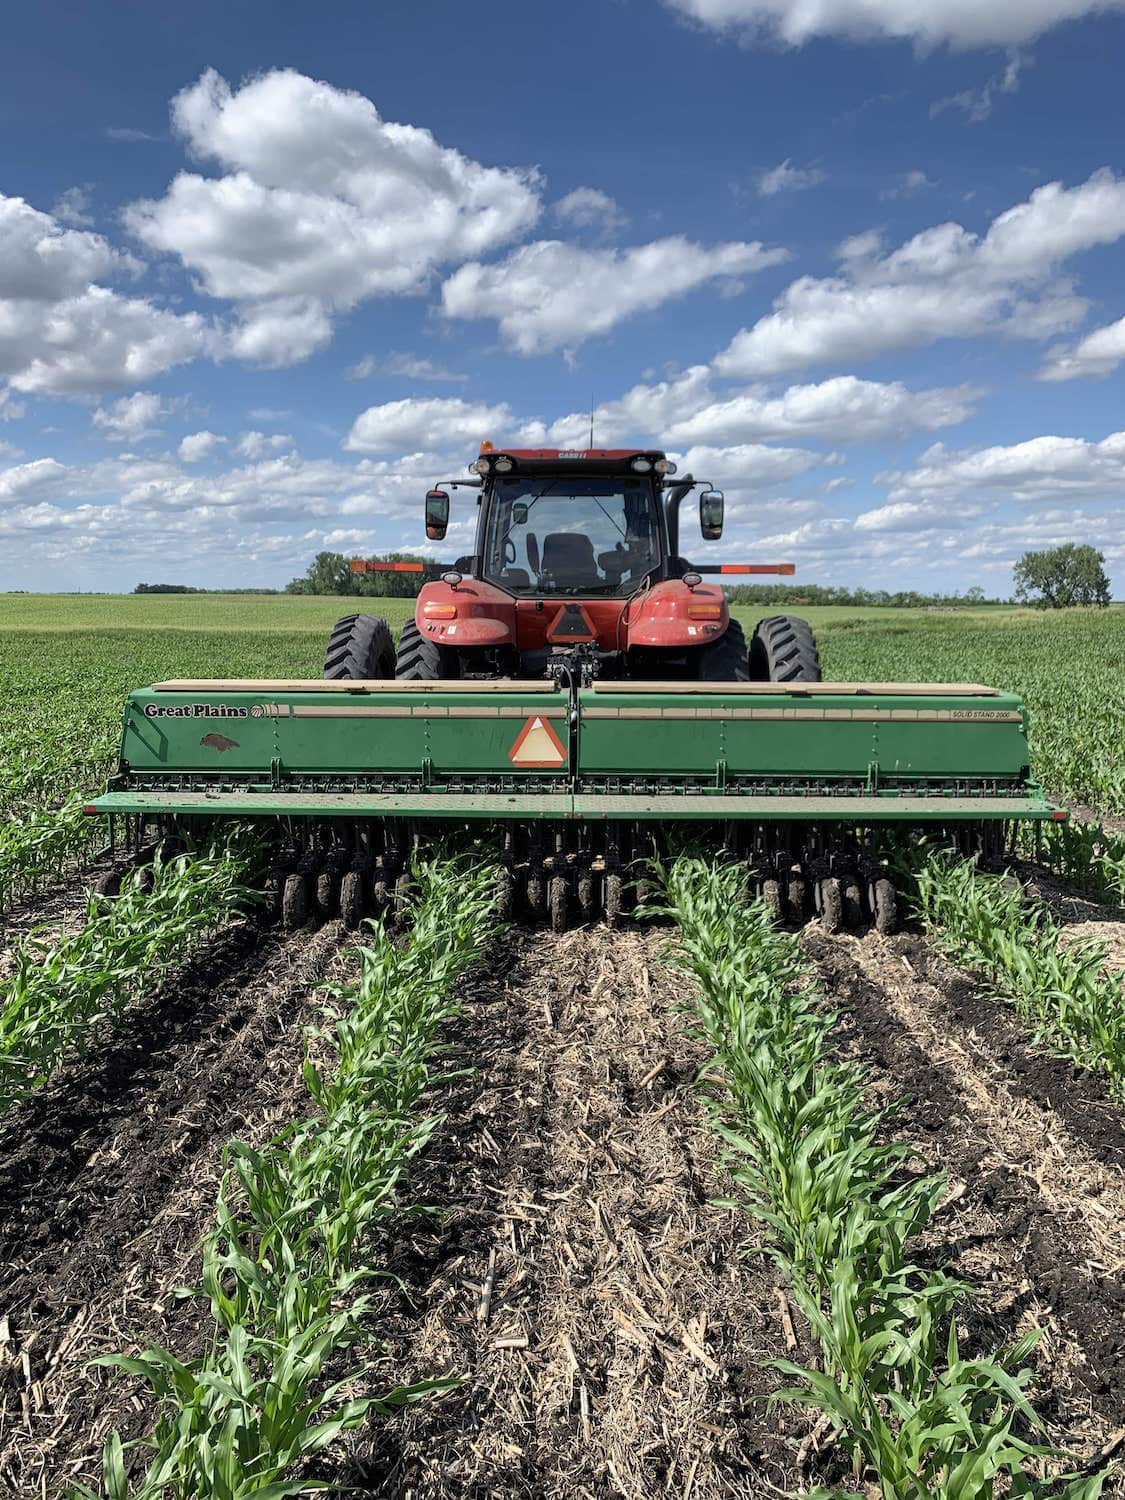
[361, 648]
[725, 660]
[420, 659]
[783, 649]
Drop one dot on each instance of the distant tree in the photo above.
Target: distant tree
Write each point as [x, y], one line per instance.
[166, 588]
[1062, 577]
[391, 585]
[328, 573]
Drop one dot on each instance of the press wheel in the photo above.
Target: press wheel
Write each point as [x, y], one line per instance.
[613, 900]
[830, 904]
[295, 900]
[351, 899]
[885, 902]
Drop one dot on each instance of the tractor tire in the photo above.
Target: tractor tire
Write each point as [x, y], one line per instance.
[783, 649]
[360, 649]
[725, 660]
[419, 659]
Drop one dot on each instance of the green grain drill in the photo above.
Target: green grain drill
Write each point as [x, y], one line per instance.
[574, 688]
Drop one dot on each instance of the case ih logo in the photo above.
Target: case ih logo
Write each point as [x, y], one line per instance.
[194, 711]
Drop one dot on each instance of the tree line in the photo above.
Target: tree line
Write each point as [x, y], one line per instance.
[1055, 578]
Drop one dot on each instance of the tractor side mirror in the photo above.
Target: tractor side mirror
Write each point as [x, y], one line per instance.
[711, 515]
[519, 514]
[437, 514]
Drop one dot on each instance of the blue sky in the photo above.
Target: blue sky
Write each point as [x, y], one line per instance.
[268, 270]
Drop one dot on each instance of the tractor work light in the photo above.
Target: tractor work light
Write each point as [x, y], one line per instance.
[503, 466]
[664, 466]
[641, 465]
[480, 466]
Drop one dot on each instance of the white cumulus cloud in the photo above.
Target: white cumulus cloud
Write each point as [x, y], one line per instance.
[927, 23]
[551, 295]
[685, 409]
[786, 178]
[1099, 353]
[590, 208]
[132, 418]
[198, 446]
[945, 282]
[61, 332]
[843, 409]
[435, 425]
[1047, 468]
[258, 444]
[321, 204]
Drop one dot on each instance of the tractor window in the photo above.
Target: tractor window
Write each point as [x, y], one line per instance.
[571, 536]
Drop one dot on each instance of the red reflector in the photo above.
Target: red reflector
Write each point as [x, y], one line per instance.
[89, 808]
[786, 568]
[1059, 816]
[572, 624]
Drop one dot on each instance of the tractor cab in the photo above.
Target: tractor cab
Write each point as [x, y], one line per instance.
[576, 571]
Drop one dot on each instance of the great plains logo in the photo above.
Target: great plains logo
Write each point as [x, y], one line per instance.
[194, 711]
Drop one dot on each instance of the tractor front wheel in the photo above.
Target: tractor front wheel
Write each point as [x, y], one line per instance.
[725, 660]
[783, 649]
[361, 648]
[421, 659]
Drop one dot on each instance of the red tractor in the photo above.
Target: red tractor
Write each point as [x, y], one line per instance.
[576, 574]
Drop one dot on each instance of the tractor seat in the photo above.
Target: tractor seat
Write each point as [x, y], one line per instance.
[516, 578]
[568, 557]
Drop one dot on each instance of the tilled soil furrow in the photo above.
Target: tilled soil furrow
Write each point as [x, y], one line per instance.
[999, 1042]
[594, 1297]
[107, 1182]
[1031, 1220]
[57, 908]
[1070, 905]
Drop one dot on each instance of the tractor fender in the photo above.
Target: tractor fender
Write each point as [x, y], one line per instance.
[670, 614]
[470, 614]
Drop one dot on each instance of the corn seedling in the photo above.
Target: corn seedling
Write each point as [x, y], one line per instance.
[285, 1267]
[1063, 991]
[60, 989]
[840, 1205]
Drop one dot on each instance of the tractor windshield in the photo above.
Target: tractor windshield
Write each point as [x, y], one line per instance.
[570, 535]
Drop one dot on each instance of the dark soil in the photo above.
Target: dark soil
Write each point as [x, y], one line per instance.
[107, 1182]
[1079, 1097]
[1001, 1236]
[576, 1164]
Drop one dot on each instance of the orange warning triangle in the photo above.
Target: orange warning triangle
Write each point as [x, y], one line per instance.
[537, 747]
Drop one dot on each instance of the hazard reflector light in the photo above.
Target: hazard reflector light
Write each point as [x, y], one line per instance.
[787, 569]
[571, 626]
[537, 747]
[440, 611]
[361, 565]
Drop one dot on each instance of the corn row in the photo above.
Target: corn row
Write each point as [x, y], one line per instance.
[1088, 855]
[840, 1203]
[43, 845]
[289, 1265]
[60, 988]
[1062, 990]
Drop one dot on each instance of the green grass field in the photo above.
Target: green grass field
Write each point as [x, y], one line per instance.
[67, 661]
